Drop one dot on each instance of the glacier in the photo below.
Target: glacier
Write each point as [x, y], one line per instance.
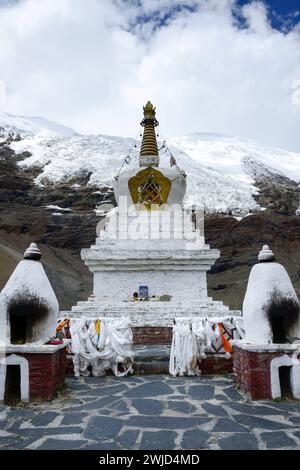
[218, 167]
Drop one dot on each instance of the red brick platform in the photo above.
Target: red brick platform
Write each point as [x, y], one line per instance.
[252, 368]
[45, 368]
[46, 373]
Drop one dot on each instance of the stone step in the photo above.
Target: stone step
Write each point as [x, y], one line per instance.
[150, 320]
[165, 312]
[151, 359]
[155, 305]
[154, 315]
[154, 312]
[178, 303]
[149, 305]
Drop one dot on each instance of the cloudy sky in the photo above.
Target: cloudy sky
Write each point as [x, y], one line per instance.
[223, 66]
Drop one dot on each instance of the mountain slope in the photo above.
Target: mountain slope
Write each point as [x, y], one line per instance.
[223, 172]
[33, 125]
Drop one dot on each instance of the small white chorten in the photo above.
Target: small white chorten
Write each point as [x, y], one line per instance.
[28, 306]
[271, 305]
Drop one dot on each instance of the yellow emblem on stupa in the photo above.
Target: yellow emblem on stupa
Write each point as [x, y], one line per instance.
[149, 188]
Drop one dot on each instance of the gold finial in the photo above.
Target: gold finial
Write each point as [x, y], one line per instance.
[149, 143]
[149, 111]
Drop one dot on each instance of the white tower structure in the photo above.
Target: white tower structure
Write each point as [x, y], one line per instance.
[150, 259]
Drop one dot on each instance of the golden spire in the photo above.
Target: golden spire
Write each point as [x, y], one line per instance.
[149, 122]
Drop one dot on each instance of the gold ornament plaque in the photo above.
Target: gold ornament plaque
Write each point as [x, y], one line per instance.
[149, 187]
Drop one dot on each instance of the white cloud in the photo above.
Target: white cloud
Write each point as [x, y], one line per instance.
[92, 65]
[256, 16]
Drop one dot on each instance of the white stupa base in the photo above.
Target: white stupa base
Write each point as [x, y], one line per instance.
[151, 312]
[175, 268]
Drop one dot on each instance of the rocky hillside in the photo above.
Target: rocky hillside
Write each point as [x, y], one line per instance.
[58, 213]
[239, 242]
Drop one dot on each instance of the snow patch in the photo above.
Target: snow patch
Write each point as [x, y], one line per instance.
[53, 207]
[33, 124]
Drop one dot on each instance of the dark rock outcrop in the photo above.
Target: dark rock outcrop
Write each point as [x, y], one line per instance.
[276, 191]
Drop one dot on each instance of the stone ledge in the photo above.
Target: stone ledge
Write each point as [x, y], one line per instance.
[253, 347]
[33, 348]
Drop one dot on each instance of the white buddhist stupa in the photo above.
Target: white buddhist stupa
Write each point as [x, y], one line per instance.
[266, 361]
[28, 305]
[32, 366]
[271, 305]
[150, 259]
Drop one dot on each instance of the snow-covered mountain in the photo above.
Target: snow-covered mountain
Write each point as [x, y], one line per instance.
[221, 170]
[33, 125]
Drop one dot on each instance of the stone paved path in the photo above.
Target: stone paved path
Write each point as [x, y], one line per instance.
[151, 412]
